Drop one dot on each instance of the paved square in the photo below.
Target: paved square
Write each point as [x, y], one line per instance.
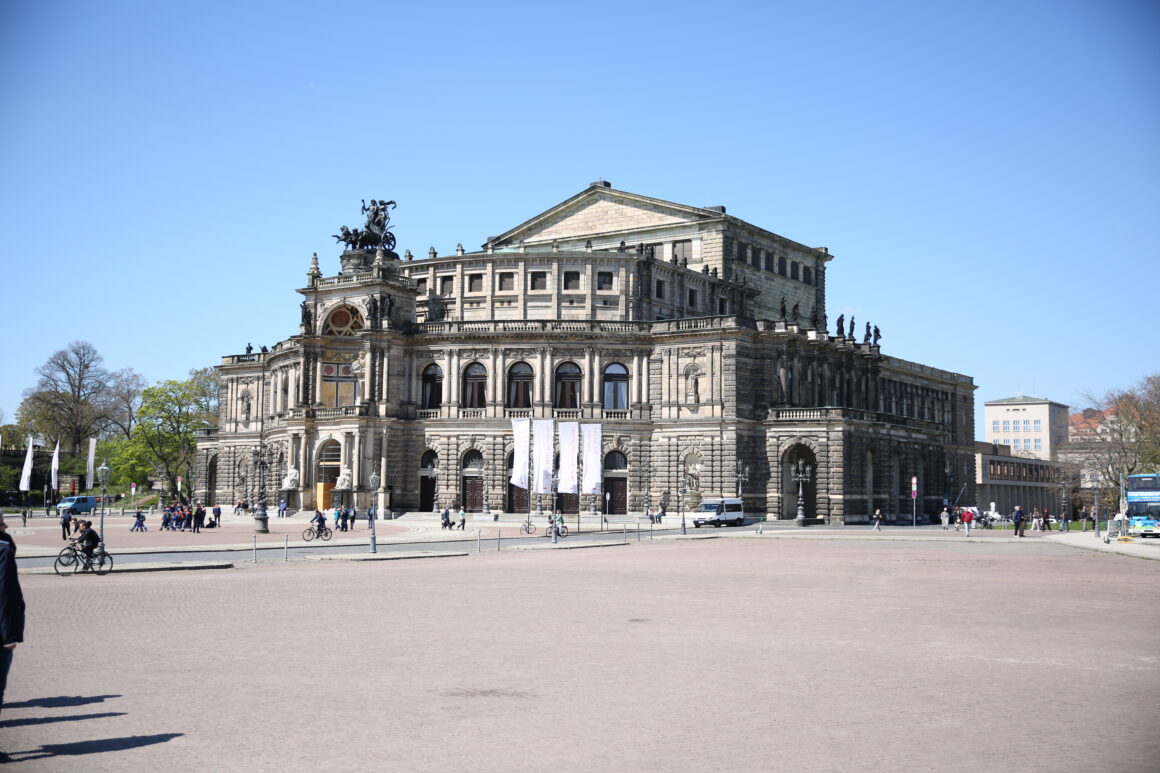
[725, 654]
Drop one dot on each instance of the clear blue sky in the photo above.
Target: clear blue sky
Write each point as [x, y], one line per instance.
[986, 173]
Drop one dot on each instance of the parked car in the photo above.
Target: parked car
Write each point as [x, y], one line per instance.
[77, 505]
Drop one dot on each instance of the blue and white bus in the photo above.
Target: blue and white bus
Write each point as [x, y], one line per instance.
[1143, 505]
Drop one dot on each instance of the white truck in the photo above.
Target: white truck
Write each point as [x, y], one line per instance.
[719, 511]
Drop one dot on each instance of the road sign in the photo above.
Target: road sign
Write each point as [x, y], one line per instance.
[914, 487]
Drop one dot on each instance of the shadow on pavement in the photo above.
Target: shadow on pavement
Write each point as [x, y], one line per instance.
[60, 701]
[47, 720]
[91, 747]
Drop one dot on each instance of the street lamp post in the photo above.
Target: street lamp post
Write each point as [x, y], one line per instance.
[103, 479]
[435, 498]
[486, 482]
[261, 520]
[681, 501]
[555, 487]
[801, 476]
[648, 476]
[374, 548]
[742, 475]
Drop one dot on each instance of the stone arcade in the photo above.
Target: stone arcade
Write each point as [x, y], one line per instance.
[698, 341]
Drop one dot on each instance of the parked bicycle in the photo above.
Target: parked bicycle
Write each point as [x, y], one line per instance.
[72, 559]
[322, 532]
[527, 527]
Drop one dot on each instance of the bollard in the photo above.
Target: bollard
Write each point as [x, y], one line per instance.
[638, 534]
[650, 530]
[478, 537]
[498, 537]
[286, 549]
[625, 533]
[255, 548]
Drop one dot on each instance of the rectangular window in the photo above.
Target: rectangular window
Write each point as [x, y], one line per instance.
[683, 250]
[995, 425]
[603, 280]
[1038, 444]
[692, 299]
[807, 275]
[781, 265]
[421, 286]
[446, 285]
[722, 306]
[571, 280]
[660, 289]
[507, 282]
[539, 280]
[1006, 425]
[769, 262]
[1014, 426]
[1027, 425]
[1038, 425]
[475, 283]
[793, 269]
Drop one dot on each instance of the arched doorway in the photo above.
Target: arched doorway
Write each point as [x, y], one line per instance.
[789, 487]
[472, 481]
[428, 478]
[517, 500]
[326, 472]
[211, 479]
[615, 483]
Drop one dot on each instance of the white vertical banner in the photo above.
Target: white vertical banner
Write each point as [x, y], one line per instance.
[26, 473]
[522, 435]
[542, 448]
[569, 448]
[90, 477]
[56, 467]
[593, 463]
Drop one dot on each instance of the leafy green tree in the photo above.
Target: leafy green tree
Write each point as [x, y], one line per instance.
[68, 399]
[164, 436]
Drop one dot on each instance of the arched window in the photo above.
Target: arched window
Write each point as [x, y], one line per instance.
[473, 460]
[474, 386]
[567, 386]
[343, 321]
[432, 388]
[519, 391]
[429, 460]
[614, 460]
[615, 388]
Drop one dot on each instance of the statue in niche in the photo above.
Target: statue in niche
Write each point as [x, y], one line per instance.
[344, 479]
[373, 310]
[877, 335]
[693, 474]
[245, 407]
[693, 388]
[306, 318]
[841, 326]
[290, 481]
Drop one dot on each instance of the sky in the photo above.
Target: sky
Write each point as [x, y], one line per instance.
[987, 174]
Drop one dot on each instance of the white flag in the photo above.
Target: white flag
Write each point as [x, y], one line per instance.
[26, 473]
[593, 463]
[56, 466]
[569, 448]
[542, 448]
[522, 435]
[90, 476]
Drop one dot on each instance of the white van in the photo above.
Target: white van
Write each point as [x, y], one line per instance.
[716, 511]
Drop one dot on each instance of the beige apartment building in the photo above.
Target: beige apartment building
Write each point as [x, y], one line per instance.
[1030, 426]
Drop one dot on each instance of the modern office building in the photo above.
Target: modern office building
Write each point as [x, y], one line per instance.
[700, 344]
[1030, 426]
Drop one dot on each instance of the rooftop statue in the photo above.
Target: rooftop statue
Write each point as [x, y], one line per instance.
[375, 233]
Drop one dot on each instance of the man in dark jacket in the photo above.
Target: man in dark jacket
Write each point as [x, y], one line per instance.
[11, 606]
[1020, 520]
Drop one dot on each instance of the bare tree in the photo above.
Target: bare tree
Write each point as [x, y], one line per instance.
[122, 400]
[66, 402]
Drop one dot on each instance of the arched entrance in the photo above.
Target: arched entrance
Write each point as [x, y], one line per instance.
[326, 472]
[471, 482]
[428, 479]
[615, 483]
[517, 500]
[211, 479]
[789, 487]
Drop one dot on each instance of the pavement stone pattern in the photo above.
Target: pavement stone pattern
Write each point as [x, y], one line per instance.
[671, 655]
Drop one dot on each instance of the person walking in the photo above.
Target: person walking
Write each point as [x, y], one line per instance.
[945, 517]
[877, 520]
[138, 522]
[24, 516]
[1020, 521]
[462, 518]
[198, 519]
[11, 606]
[1064, 525]
[445, 520]
[65, 524]
[968, 519]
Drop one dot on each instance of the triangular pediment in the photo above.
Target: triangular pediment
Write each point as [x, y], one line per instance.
[601, 210]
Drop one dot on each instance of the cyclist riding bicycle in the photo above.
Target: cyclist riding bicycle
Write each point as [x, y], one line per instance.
[320, 522]
[88, 539]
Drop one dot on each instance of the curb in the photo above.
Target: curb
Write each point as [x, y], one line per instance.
[561, 546]
[146, 567]
[389, 556]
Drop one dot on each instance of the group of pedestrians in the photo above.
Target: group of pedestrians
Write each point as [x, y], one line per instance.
[344, 518]
[185, 517]
[446, 523]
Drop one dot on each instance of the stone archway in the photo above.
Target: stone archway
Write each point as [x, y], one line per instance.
[328, 464]
[789, 488]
